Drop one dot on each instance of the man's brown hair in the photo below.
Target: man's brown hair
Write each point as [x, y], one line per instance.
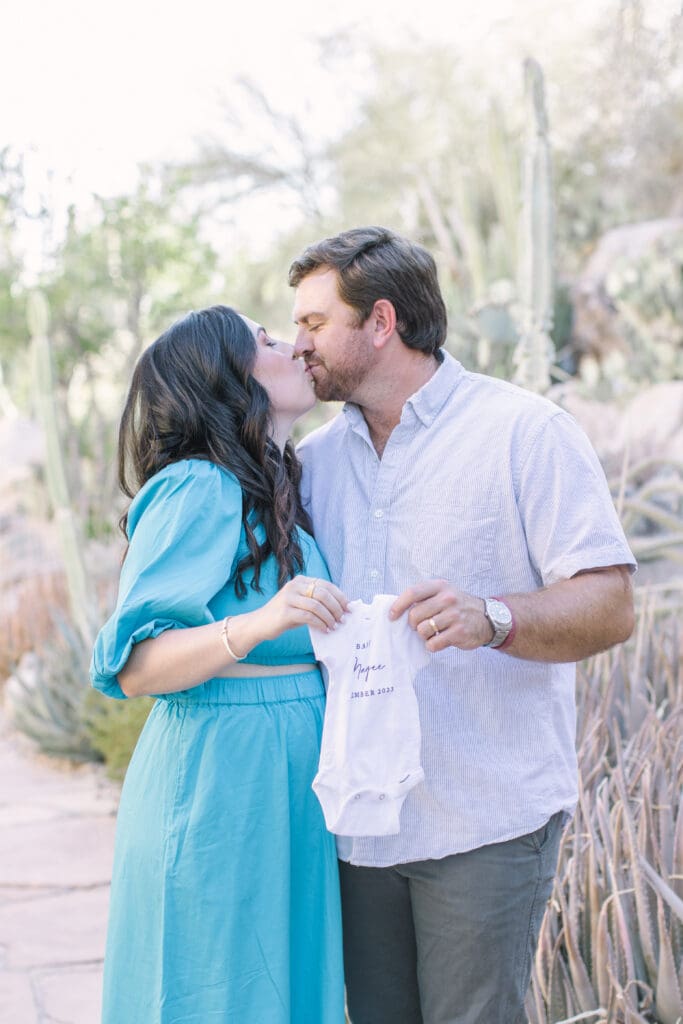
[374, 263]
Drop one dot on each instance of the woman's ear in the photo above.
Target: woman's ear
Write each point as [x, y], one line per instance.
[384, 322]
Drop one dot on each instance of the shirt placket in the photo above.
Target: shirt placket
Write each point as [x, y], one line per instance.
[377, 513]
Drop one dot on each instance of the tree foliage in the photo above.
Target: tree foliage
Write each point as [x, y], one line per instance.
[434, 150]
[12, 322]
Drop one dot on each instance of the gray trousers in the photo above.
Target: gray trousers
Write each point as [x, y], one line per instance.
[447, 941]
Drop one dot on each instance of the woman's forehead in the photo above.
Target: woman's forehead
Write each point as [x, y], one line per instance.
[252, 325]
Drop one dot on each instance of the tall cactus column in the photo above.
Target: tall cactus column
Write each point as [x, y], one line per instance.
[80, 592]
[535, 353]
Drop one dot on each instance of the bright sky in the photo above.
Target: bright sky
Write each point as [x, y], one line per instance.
[94, 88]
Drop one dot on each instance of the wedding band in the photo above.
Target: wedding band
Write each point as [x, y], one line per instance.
[434, 627]
[311, 589]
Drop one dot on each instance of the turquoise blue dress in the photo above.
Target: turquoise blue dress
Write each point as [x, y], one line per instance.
[225, 896]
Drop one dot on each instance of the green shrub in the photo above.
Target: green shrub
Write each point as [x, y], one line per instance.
[113, 727]
[52, 702]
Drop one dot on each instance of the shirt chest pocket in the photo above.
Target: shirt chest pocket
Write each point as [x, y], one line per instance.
[456, 544]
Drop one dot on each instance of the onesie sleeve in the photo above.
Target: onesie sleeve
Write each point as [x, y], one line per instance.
[417, 654]
[184, 529]
[325, 646]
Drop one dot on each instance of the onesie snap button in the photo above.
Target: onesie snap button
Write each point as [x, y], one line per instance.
[382, 796]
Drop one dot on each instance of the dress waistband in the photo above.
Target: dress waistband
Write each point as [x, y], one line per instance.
[259, 690]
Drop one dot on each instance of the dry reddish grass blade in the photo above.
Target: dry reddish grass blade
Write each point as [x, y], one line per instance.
[27, 622]
[611, 946]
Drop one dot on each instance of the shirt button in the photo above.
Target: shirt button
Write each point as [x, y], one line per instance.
[378, 513]
[374, 574]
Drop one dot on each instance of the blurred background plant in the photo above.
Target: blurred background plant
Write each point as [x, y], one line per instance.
[551, 193]
[113, 727]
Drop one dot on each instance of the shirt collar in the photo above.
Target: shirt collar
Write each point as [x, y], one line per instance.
[428, 401]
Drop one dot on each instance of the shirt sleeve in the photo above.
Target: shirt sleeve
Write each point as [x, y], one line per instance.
[184, 529]
[569, 517]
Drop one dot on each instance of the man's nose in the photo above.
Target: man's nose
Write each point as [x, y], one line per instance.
[302, 344]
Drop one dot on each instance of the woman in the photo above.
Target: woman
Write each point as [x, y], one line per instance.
[224, 904]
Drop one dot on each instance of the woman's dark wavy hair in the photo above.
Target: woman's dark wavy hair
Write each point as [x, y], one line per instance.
[193, 396]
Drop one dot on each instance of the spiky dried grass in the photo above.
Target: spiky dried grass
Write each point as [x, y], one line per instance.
[611, 945]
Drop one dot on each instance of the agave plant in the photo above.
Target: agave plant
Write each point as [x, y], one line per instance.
[611, 944]
[46, 694]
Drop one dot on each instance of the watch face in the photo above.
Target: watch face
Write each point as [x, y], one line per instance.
[499, 613]
[500, 617]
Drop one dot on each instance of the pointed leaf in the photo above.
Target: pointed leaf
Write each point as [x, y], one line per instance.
[664, 890]
[668, 993]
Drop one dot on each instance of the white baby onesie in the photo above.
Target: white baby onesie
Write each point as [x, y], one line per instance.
[370, 755]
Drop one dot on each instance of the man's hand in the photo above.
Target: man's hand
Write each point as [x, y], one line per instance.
[563, 622]
[443, 616]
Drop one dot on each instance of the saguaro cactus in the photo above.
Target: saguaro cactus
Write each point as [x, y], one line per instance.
[534, 354]
[80, 597]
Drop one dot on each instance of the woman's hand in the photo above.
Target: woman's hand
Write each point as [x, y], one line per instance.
[303, 601]
[182, 658]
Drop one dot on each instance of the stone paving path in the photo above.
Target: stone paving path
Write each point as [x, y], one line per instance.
[56, 845]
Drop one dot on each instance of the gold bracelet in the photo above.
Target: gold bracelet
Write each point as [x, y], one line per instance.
[226, 642]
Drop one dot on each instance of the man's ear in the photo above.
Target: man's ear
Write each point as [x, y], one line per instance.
[384, 316]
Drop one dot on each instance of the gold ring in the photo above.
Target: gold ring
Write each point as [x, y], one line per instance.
[434, 627]
[311, 589]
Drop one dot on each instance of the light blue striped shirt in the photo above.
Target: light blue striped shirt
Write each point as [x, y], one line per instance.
[498, 491]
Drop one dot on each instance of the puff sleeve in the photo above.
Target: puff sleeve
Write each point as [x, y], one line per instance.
[184, 529]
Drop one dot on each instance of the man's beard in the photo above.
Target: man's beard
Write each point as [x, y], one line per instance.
[341, 383]
[338, 387]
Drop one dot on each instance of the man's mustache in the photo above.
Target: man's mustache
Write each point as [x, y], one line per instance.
[307, 361]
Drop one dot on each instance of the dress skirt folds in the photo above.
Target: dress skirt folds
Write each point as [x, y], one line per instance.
[225, 894]
[224, 900]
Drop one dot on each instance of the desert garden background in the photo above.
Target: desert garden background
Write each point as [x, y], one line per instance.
[550, 188]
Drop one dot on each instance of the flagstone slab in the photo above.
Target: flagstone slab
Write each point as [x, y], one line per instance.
[17, 1005]
[71, 995]
[57, 826]
[68, 929]
[44, 787]
[77, 853]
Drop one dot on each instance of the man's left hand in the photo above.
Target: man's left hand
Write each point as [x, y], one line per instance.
[443, 616]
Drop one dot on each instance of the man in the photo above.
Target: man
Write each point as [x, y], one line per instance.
[484, 508]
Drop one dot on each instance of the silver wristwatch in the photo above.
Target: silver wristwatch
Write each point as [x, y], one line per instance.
[500, 617]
